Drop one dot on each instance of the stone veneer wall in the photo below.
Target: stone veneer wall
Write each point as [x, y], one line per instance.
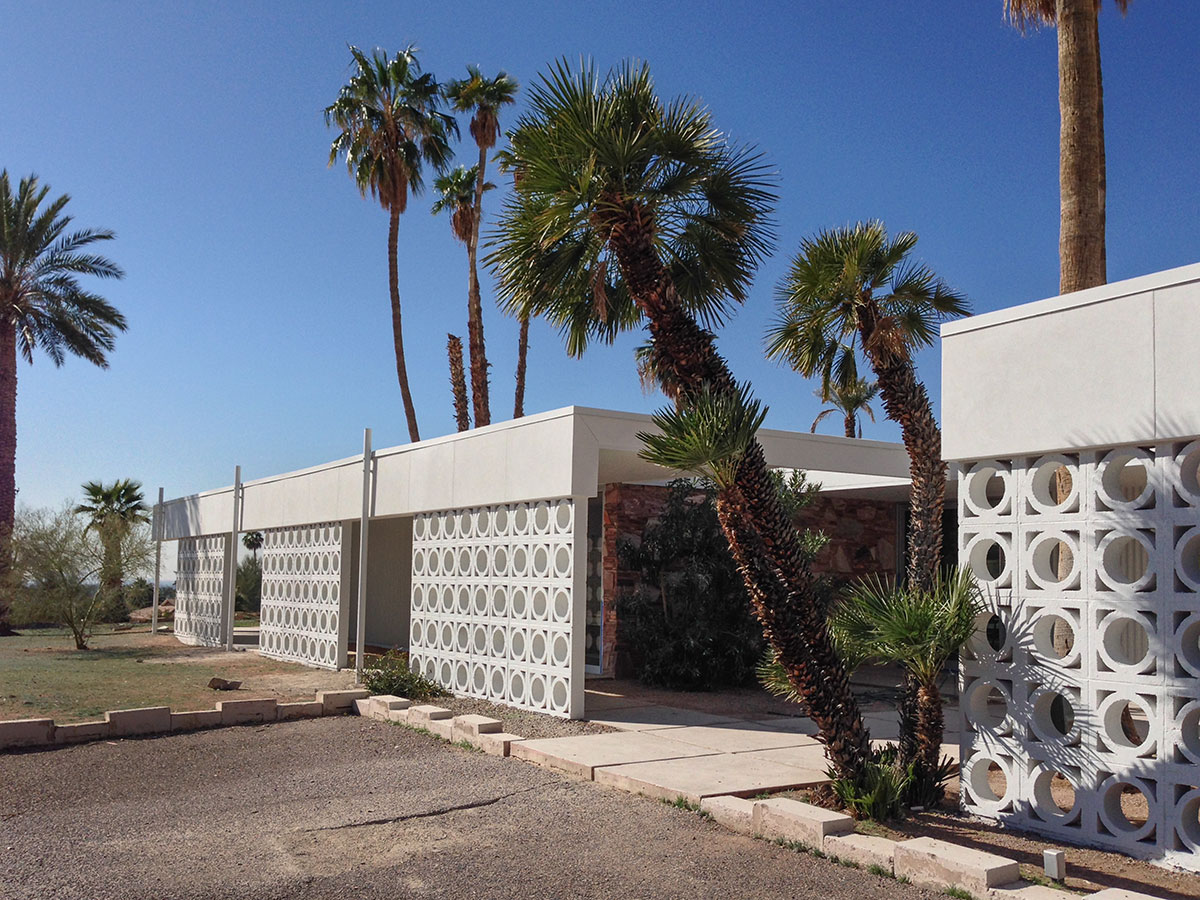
[862, 540]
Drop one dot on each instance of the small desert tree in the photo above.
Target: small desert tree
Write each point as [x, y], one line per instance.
[58, 559]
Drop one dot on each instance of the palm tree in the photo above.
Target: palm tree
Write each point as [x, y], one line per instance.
[1081, 163]
[42, 305]
[854, 289]
[112, 511]
[849, 400]
[628, 211]
[918, 628]
[253, 541]
[522, 356]
[390, 124]
[483, 97]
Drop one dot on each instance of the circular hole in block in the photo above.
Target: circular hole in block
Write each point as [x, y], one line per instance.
[987, 705]
[1053, 484]
[464, 561]
[478, 679]
[462, 679]
[537, 690]
[560, 695]
[988, 780]
[480, 602]
[1187, 558]
[462, 639]
[562, 516]
[463, 600]
[500, 561]
[446, 673]
[1054, 637]
[1189, 819]
[520, 561]
[540, 603]
[541, 561]
[562, 605]
[562, 562]
[497, 681]
[482, 520]
[561, 653]
[501, 521]
[1053, 714]
[417, 630]
[1054, 559]
[499, 600]
[1125, 479]
[988, 559]
[538, 647]
[988, 489]
[995, 633]
[499, 642]
[1188, 472]
[519, 602]
[1126, 723]
[1189, 644]
[446, 639]
[520, 520]
[482, 563]
[1125, 560]
[466, 525]
[1054, 796]
[541, 517]
[1125, 808]
[517, 645]
[1125, 640]
[516, 687]
[435, 527]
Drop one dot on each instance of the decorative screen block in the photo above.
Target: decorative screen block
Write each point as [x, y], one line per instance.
[493, 602]
[1080, 695]
[200, 589]
[304, 595]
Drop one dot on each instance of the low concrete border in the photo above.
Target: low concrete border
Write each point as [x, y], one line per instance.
[150, 720]
[481, 732]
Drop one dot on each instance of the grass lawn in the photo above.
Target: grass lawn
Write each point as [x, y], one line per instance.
[41, 674]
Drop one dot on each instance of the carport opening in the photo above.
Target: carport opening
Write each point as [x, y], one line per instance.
[389, 584]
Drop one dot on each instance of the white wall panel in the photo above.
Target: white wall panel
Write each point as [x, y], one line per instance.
[496, 598]
[200, 590]
[305, 596]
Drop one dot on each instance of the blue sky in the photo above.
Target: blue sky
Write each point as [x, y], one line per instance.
[257, 280]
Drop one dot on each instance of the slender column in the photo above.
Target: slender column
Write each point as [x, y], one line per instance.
[158, 533]
[360, 633]
[231, 558]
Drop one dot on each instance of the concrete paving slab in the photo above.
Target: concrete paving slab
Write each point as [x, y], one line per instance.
[792, 724]
[582, 755]
[738, 737]
[650, 718]
[595, 701]
[810, 757]
[739, 774]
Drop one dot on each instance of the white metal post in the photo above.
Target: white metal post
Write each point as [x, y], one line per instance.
[231, 556]
[158, 533]
[360, 633]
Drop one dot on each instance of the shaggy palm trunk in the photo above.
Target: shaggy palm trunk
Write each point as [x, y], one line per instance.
[1081, 147]
[410, 412]
[8, 462]
[522, 352]
[930, 725]
[765, 543]
[907, 404]
[479, 365]
[458, 382]
[849, 423]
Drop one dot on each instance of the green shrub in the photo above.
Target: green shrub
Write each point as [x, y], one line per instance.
[887, 787]
[390, 674]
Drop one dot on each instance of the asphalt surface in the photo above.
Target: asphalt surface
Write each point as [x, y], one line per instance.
[353, 808]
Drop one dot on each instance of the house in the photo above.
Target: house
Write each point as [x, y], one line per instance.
[490, 555]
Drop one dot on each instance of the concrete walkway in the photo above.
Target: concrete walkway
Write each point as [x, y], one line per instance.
[668, 752]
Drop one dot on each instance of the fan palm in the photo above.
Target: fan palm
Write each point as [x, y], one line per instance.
[112, 511]
[390, 125]
[852, 290]
[629, 211]
[253, 541]
[1081, 163]
[43, 305]
[849, 400]
[458, 382]
[918, 628]
[483, 97]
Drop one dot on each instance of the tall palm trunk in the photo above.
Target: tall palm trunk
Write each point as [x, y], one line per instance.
[930, 725]
[8, 462]
[522, 353]
[479, 364]
[850, 423]
[410, 413]
[765, 543]
[458, 382]
[1081, 147]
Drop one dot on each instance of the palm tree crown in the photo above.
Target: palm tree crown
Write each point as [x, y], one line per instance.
[119, 504]
[1029, 14]
[40, 295]
[456, 195]
[851, 287]
[568, 243]
[849, 400]
[484, 96]
[390, 123]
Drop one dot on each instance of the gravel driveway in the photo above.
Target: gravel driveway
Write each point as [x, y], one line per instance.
[353, 808]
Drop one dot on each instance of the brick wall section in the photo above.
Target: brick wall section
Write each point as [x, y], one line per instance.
[862, 541]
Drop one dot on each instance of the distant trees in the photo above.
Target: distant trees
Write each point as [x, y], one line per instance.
[849, 400]
[58, 561]
[112, 511]
[253, 541]
[43, 306]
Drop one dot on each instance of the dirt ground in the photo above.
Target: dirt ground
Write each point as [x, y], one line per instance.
[349, 807]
